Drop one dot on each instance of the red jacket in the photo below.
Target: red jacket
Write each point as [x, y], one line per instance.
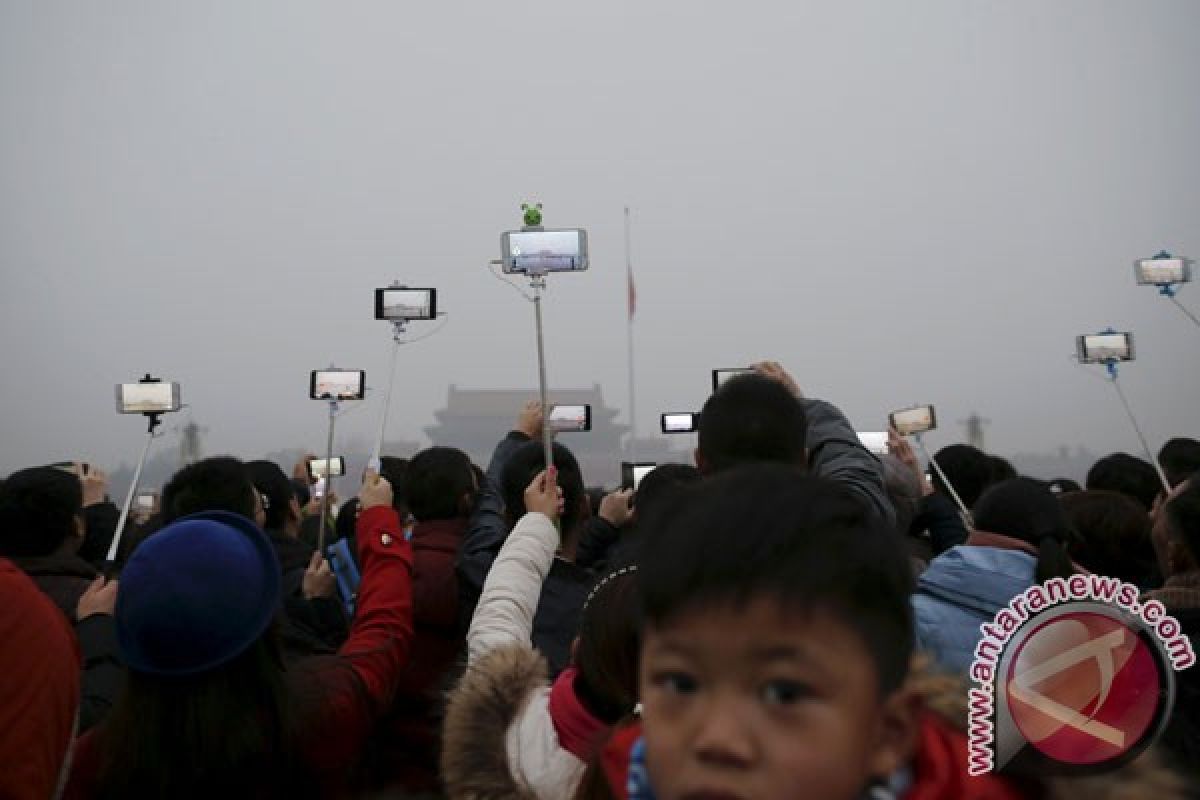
[353, 687]
[406, 750]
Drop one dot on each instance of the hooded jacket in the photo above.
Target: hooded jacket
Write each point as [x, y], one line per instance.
[509, 733]
[962, 589]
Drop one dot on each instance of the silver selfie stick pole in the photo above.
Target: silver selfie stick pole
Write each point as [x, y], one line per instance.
[1162, 476]
[538, 282]
[376, 459]
[333, 405]
[111, 558]
[962, 507]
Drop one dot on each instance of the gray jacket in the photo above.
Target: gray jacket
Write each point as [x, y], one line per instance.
[835, 452]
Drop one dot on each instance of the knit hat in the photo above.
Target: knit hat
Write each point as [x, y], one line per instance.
[196, 594]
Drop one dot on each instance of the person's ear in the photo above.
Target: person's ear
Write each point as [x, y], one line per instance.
[80, 527]
[701, 461]
[575, 650]
[897, 729]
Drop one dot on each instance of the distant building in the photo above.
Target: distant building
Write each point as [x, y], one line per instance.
[475, 419]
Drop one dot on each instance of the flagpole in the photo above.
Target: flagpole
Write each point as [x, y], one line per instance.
[632, 446]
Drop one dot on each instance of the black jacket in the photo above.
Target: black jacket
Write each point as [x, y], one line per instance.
[308, 627]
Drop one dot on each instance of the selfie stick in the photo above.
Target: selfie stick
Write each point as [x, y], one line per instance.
[333, 406]
[1111, 366]
[375, 461]
[155, 419]
[962, 507]
[537, 281]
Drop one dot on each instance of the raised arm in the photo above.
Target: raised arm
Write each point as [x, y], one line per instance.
[506, 608]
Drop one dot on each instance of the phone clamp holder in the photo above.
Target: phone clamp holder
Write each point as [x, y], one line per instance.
[154, 419]
[1170, 290]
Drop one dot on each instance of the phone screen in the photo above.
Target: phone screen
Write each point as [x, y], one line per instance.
[679, 422]
[544, 251]
[1161, 271]
[147, 398]
[337, 384]
[1101, 347]
[320, 468]
[914, 420]
[397, 304]
[565, 419]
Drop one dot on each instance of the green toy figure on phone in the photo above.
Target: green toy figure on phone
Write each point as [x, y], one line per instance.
[533, 215]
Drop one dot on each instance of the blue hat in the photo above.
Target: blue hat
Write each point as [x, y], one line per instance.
[196, 594]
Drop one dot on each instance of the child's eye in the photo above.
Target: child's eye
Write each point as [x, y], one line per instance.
[675, 682]
[784, 692]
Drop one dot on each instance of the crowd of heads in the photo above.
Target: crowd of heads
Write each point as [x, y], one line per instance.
[762, 580]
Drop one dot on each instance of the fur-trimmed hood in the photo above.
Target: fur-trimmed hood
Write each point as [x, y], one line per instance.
[482, 708]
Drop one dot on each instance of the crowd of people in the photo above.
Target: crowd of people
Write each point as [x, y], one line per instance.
[792, 616]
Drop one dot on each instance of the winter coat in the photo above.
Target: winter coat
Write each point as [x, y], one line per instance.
[508, 731]
[564, 590]
[939, 767]
[316, 626]
[62, 577]
[407, 744]
[962, 589]
[835, 452]
[39, 693]
[337, 698]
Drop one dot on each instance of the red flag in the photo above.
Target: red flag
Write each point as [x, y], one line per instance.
[632, 290]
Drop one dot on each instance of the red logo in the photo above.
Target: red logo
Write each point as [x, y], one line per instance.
[1083, 688]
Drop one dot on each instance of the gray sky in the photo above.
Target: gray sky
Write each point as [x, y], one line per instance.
[903, 202]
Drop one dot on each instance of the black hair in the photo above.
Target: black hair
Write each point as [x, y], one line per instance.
[1001, 469]
[230, 732]
[609, 643]
[1114, 536]
[525, 463]
[437, 481]
[595, 496]
[220, 483]
[1129, 475]
[277, 488]
[968, 469]
[1064, 486]
[751, 418]
[660, 483]
[1183, 516]
[767, 531]
[1026, 509]
[395, 471]
[39, 510]
[1179, 458]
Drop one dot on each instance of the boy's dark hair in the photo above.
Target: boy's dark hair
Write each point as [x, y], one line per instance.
[968, 469]
[1114, 536]
[767, 531]
[660, 483]
[1121, 472]
[437, 480]
[1026, 509]
[1183, 516]
[1179, 458]
[38, 511]
[274, 485]
[752, 418]
[526, 462]
[220, 483]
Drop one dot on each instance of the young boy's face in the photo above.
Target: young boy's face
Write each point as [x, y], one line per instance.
[756, 702]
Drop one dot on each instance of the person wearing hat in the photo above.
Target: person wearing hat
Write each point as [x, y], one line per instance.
[209, 709]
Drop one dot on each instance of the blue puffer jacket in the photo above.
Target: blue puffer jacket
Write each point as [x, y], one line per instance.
[963, 588]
